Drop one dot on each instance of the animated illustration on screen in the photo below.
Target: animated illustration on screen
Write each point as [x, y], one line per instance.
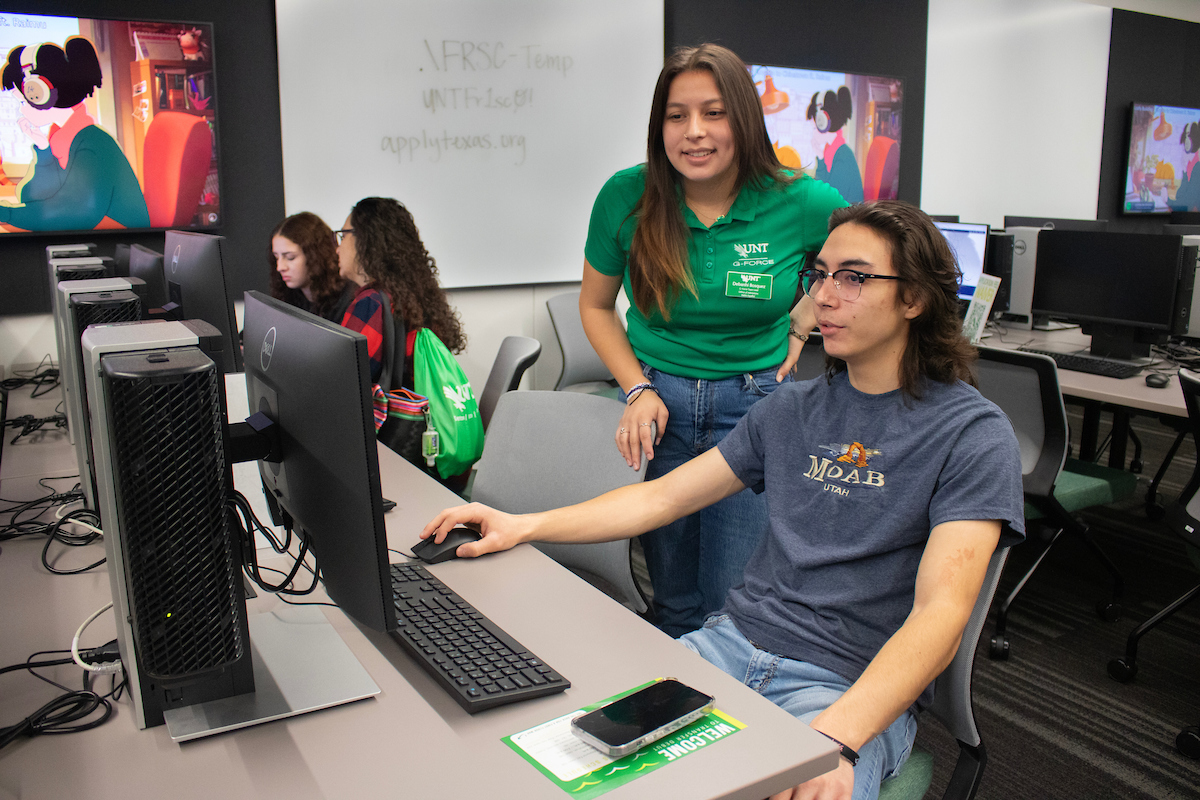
[838, 127]
[106, 124]
[1163, 145]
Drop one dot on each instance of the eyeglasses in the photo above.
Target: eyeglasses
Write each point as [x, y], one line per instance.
[342, 234]
[846, 282]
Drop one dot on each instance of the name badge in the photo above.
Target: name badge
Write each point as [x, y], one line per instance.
[749, 285]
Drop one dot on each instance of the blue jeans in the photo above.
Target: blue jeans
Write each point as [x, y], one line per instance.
[695, 561]
[804, 691]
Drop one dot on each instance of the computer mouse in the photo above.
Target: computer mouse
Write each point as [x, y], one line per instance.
[1158, 380]
[432, 553]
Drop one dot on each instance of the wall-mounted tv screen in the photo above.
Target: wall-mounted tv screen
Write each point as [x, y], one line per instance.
[1163, 151]
[107, 124]
[838, 127]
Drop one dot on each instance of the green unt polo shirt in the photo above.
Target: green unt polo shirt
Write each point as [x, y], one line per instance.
[746, 268]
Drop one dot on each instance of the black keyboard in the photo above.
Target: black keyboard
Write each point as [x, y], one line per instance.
[479, 664]
[1089, 364]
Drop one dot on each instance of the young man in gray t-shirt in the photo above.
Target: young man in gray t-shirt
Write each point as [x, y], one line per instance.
[889, 484]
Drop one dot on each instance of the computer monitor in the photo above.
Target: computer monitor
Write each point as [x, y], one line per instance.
[147, 264]
[312, 378]
[1056, 223]
[1181, 230]
[199, 287]
[968, 240]
[1121, 286]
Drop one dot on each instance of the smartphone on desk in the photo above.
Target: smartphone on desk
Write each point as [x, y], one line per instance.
[634, 721]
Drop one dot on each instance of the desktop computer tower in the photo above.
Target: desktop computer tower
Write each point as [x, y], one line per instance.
[1191, 263]
[158, 423]
[1024, 262]
[998, 261]
[79, 304]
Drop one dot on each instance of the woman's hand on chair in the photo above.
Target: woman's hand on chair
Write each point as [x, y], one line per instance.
[641, 427]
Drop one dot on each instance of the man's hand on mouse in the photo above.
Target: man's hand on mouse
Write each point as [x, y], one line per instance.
[500, 531]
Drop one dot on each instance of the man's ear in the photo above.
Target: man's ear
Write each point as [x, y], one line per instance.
[913, 306]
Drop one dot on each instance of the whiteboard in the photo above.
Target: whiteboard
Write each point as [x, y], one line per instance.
[495, 123]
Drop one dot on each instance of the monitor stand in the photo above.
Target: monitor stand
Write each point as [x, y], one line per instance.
[301, 664]
[1118, 341]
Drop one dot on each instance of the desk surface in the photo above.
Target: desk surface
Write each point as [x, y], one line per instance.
[1131, 393]
[412, 740]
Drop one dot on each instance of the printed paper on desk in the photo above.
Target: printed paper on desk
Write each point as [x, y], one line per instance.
[980, 308]
[582, 771]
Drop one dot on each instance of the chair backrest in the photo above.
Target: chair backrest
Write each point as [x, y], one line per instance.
[952, 691]
[176, 157]
[580, 362]
[394, 345]
[812, 359]
[516, 354]
[1025, 386]
[1183, 515]
[550, 449]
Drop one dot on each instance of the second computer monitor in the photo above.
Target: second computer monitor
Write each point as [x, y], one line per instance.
[969, 242]
[1056, 224]
[1121, 286]
[199, 286]
[312, 379]
[147, 264]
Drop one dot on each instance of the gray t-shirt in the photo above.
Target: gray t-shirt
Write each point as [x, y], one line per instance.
[854, 484]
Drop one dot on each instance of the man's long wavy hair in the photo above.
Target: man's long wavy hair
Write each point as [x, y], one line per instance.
[936, 348]
[315, 239]
[658, 257]
[390, 252]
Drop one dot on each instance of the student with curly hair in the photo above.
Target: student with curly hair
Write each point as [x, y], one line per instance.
[380, 250]
[304, 267]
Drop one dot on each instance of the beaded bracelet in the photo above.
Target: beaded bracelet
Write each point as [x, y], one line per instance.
[636, 391]
[801, 336]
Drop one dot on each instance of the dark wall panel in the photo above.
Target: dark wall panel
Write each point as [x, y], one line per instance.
[861, 36]
[248, 127]
[1151, 60]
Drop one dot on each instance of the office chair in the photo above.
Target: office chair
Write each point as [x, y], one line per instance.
[1183, 517]
[394, 347]
[580, 362]
[176, 157]
[953, 707]
[1025, 386]
[551, 449]
[516, 354]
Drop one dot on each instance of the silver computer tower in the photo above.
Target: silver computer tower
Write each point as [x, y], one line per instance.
[80, 304]
[1024, 262]
[158, 425]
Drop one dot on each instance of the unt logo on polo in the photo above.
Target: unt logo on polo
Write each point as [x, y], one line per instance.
[747, 250]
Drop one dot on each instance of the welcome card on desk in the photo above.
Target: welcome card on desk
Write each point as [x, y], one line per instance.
[582, 771]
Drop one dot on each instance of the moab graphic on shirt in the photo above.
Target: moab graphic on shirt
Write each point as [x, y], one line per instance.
[847, 466]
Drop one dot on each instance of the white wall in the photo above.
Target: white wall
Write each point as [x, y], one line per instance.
[1014, 108]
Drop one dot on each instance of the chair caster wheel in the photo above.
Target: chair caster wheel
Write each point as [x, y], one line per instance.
[1108, 610]
[1155, 512]
[999, 649]
[1122, 671]
[1188, 741]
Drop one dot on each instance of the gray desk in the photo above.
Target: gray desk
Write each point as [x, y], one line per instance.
[1123, 397]
[412, 741]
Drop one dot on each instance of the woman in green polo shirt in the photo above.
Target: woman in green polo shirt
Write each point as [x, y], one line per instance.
[708, 238]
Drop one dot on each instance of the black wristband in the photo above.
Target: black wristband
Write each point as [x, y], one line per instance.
[848, 753]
